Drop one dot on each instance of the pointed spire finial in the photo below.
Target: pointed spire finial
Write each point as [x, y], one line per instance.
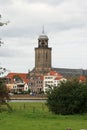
[43, 30]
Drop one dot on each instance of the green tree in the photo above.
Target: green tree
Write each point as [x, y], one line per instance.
[4, 96]
[69, 98]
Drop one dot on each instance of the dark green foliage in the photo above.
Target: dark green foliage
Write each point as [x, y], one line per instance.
[69, 98]
[4, 96]
[3, 91]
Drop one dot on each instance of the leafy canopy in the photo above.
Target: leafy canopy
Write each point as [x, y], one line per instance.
[69, 98]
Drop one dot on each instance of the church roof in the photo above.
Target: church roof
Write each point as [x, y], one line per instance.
[67, 72]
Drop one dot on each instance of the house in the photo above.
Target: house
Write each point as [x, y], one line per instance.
[52, 78]
[36, 83]
[17, 82]
[58, 80]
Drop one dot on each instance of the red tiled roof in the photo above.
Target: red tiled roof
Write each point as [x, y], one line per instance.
[83, 78]
[58, 78]
[23, 76]
[54, 73]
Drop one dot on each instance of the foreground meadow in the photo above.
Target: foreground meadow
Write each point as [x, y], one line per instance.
[35, 116]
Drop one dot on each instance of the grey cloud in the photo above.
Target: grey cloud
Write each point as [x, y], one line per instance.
[18, 32]
[5, 2]
[32, 31]
[52, 2]
[7, 52]
[63, 26]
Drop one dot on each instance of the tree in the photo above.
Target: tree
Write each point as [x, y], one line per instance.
[2, 70]
[69, 98]
[3, 92]
[4, 96]
[3, 23]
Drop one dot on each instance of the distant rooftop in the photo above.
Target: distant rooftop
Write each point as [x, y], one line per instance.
[67, 72]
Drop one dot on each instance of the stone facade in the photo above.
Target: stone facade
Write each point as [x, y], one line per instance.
[36, 84]
[43, 55]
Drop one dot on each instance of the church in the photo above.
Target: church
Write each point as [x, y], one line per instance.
[43, 60]
[43, 74]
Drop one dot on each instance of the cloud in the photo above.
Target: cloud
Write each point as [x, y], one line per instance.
[26, 18]
[5, 2]
[49, 2]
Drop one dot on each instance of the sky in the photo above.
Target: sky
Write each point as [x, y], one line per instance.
[65, 23]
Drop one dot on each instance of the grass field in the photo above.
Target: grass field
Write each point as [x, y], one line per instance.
[35, 116]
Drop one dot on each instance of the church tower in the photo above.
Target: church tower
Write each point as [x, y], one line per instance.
[43, 55]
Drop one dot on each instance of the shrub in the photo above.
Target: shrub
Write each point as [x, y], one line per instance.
[69, 98]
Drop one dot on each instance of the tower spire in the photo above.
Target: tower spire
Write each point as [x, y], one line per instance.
[43, 29]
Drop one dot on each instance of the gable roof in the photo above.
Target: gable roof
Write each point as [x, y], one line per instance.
[23, 76]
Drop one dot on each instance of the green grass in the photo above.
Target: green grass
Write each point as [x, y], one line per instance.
[35, 116]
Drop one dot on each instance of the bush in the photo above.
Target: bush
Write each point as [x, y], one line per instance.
[69, 98]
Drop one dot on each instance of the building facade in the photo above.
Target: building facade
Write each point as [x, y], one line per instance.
[36, 84]
[17, 82]
[52, 79]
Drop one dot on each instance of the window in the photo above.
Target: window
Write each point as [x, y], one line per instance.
[14, 87]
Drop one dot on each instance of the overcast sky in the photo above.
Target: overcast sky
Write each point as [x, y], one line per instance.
[65, 23]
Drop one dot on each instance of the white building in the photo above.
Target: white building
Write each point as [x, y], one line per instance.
[52, 79]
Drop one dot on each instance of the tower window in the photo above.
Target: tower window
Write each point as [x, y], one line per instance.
[42, 44]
